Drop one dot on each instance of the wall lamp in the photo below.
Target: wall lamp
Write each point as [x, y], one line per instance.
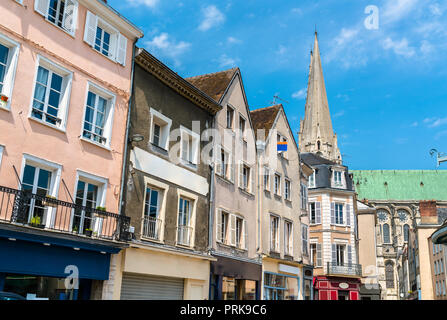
[136, 138]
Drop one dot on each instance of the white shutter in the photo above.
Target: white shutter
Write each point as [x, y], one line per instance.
[218, 160]
[349, 255]
[219, 226]
[241, 175]
[91, 23]
[41, 6]
[319, 255]
[332, 213]
[291, 239]
[318, 212]
[348, 215]
[121, 49]
[245, 235]
[231, 167]
[253, 179]
[334, 254]
[71, 16]
[233, 230]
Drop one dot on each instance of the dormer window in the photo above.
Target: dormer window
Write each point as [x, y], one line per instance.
[337, 178]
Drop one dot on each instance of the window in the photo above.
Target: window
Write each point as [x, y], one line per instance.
[303, 196]
[389, 274]
[281, 138]
[266, 179]
[312, 213]
[161, 126]
[280, 287]
[274, 233]
[312, 180]
[340, 254]
[386, 233]
[230, 117]
[222, 226]
[51, 94]
[288, 238]
[316, 254]
[406, 232]
[304, 237]
[224, 164]
[105, 39]
[61, 13]
[151, 218]
[287, 189]
[239, 232]
[242, 126]
[98, 117]
[1, 154]
[246, 179]
[277, 184]
[189, 146]
[184, 231]
[338, 213]
[337, 178]
[9, 53]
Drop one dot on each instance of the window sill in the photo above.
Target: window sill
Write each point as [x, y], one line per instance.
[106, 147]
[188, 165]
[103, 55]
[60, 28]
[246, 192]
[60, 129]
[151, 240]
[5, 108]
[225, 179]
[184, 246]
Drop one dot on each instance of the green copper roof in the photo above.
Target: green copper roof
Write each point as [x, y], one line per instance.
[400, 184]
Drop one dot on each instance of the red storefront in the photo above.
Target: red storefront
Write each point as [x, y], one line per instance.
[336, 288]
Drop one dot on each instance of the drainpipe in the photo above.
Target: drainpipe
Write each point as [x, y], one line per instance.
[126, 141]
[260, 148]
[211, 212]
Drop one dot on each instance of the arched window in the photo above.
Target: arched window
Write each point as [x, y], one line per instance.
[389, 274]
[406, 232]
[318, 144]
[386, 233]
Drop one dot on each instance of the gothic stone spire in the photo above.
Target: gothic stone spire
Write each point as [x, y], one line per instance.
[316, 134]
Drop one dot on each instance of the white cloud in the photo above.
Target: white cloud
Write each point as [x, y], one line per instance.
[296, 11]
[163, 45]
[435, 122]
[147, 3]
[225, 61]
[348, 48]
[395, 10]
[212, 17]
[400, 48]
[281, 50]
[233, 40]
[339, 114]
[435, 9]
[300, 94]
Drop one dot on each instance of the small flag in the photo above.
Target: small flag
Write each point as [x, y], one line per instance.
[282, 146]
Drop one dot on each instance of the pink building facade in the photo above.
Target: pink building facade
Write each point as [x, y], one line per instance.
[65, 83]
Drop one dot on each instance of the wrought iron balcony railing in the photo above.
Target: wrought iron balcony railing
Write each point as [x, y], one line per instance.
[184, 234]
[26, 208]
[151, 228]
[347, 269]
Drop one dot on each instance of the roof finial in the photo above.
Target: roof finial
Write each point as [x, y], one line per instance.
[316, 33]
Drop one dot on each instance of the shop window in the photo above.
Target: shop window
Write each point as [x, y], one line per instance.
[280, 287]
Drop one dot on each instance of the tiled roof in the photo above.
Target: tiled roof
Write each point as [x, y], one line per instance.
[264, 118]
[401, 184]
[313, 159]
[213, 84]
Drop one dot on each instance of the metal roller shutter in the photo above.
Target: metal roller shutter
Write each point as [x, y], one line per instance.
[138, 287]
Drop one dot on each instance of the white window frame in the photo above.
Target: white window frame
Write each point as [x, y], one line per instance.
[108, 121]
[338, 204]
[303, 196]
[39, 8]
[226, 117]
[337, 184]
[312, 180]
[192, 219]
[195, 140]
[288, 243]
[305, 239]
[11, 68]
[225, 239]
[242, 132]
[267, 184]
[118, 42]
[227, 174]
[278, 233]
[64, 103]
[165, 124]
[277, 192]
[1, 154]
[287, 191]
[239, 245]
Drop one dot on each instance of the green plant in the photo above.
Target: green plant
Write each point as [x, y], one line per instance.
[35, 221]
[101, 208]
[88, 229]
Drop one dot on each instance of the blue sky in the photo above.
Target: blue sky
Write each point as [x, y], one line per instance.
[387, 88]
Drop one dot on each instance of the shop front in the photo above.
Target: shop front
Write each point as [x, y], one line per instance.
[40, 266]
[281, 281]
[337, 288]
[235, 279]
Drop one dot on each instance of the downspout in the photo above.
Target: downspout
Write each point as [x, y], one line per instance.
[211, 210]
[126, 141]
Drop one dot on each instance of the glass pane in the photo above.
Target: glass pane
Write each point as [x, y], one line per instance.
[54, 99]
[4, 51]
[28, 175]
[2, 74]
[102, 103]
[56, 82]
[91, 99]
[80, 190]
[42, 75]
[39, 93]
[92, 192]
[100, 120]
[44, 179]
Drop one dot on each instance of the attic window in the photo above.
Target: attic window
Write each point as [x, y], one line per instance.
[386, 183]
[422, 184]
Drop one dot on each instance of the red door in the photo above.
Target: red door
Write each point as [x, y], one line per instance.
[353, 295]
[334, 294]
[323, 295]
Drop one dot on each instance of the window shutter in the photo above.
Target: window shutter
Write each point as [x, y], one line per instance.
[41, 6]
[218, 160]
[121, 49]
[241, 175]
[91, 23]
[318, 212]
[232, 229]
[245, 235]
[334, 253]
[71, 16]
[291, 240]
[319, 255]
[231, 167]
[278, 236]
[349, 255]
[332, 213]
[219, 226]
[348, 215]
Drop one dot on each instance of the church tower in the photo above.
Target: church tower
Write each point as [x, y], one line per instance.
[316, 134]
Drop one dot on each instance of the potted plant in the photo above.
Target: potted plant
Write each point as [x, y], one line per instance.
[88, 232]
[3, 100]
[101, 209]
[49, 201]
[35, 222]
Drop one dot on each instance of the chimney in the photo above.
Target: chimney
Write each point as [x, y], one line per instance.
[429, 213]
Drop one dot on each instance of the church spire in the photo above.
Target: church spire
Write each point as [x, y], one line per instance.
[316, 134]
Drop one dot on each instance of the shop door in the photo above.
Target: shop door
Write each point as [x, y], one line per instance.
[138, 287]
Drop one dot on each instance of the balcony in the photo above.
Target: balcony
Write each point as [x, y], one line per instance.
[352, 270]
[184, 235]
[24, 208]
[151, 228]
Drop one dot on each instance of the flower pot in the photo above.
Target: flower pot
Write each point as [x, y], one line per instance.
[88, 233]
